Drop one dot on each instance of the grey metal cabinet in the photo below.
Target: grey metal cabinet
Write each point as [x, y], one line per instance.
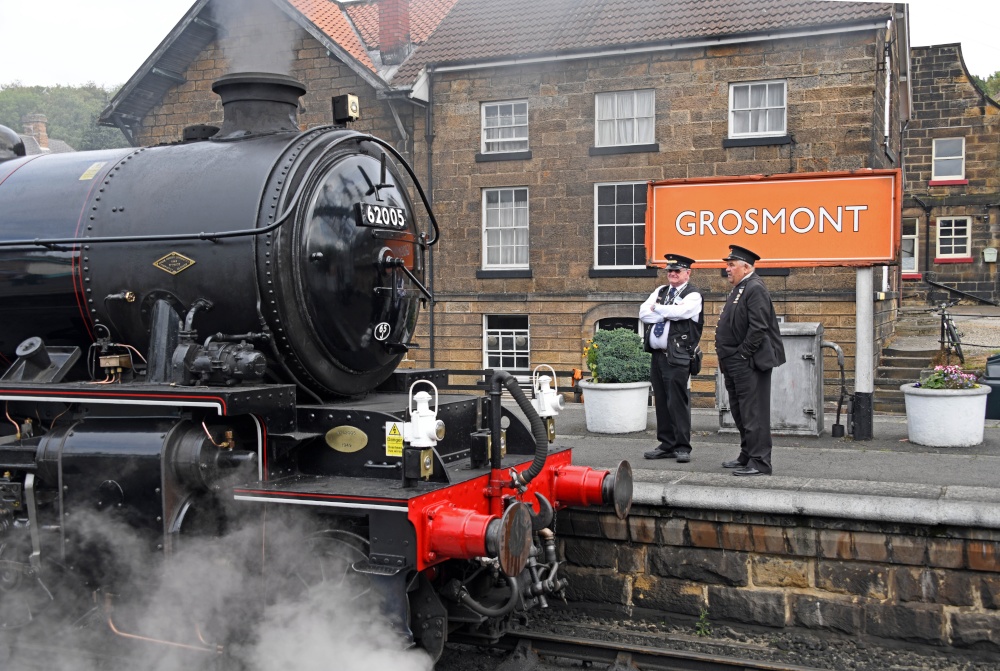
[796, 386]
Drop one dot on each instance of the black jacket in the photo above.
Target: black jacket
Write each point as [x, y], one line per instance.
[748, 326]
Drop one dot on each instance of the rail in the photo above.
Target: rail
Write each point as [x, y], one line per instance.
[960, 292]
[627, 655]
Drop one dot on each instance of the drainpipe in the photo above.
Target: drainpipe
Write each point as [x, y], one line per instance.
[429, 141]
[927, 232]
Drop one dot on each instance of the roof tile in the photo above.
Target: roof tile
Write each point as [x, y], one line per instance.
[425, 15]
[484, 30]
[328, 17]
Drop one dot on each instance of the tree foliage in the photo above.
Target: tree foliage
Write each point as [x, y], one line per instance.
[72, 113]
[990, 85]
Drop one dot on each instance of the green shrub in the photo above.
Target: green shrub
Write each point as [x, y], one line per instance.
[617, 356]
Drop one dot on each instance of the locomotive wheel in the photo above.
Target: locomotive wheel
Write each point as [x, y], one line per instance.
[326, 560]
[28, 597]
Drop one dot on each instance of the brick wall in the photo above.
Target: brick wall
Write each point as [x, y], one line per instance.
[834, 101]
[323, 76]
[946, 104]
[909, 583]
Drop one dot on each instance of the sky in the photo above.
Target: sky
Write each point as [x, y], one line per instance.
[106, 41]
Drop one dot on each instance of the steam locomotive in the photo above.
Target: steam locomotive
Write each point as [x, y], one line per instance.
[204, 336]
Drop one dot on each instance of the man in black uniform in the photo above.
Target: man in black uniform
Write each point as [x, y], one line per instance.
[748, 344]
[674, 317]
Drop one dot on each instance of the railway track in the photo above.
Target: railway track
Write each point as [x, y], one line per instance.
[630, 656]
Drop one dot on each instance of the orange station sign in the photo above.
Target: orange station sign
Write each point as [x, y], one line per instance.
[805, 219]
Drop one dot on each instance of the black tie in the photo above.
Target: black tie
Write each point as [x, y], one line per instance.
[658, 328]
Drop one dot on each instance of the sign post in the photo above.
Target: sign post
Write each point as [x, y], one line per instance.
[849, 219]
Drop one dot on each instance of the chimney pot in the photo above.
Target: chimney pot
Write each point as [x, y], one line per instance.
[394, 30]
[36, 125]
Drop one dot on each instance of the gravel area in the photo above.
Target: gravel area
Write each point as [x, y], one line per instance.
[803, 648]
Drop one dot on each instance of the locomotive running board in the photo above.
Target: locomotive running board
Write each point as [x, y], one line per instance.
[275, 404]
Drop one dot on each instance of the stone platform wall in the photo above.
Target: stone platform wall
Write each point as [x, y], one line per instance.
[938, 586]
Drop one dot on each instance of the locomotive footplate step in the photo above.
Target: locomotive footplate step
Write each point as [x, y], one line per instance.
[276, 403]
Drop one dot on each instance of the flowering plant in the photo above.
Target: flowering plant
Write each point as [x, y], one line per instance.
[949, 377]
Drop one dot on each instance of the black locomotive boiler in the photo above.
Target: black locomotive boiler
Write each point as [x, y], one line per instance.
[204, 336]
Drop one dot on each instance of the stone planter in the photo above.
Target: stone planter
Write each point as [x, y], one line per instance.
[615, 407]
[945, 417]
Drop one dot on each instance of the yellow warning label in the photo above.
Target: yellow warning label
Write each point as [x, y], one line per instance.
[90, 172]
[393, 440]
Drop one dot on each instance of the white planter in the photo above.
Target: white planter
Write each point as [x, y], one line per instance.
[945, 417]
[615, 407]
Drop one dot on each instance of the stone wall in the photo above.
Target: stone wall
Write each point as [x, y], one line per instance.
[306, 60]
[937, 586]
[835, 120]
[947, 104]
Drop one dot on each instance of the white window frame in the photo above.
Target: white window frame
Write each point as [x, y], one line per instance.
[935, 157]
[517, 130]
[915, 237]
[616, 225]
[506, 227]
[510, 343]
[611, 110]
[968, 238]
[749, 109]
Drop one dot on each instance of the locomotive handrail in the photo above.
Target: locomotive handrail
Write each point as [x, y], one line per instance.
[244, 232]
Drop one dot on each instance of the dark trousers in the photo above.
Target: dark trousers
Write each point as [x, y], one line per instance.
[750, 402]
[673, 403]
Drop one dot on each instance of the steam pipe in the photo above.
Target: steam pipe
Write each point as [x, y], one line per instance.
[537, 426]
[108, 609]
[429, 142]
[485, 611]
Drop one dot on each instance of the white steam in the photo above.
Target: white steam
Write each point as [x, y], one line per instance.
[259, 37]
[285, 603]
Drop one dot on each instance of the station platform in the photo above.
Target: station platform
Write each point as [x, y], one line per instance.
[886, 479]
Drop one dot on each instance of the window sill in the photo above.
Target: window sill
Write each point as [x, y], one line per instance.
[947, 182]
[623, 272]
[913, 276]
[955, 259]
[625, 149]
[756, 141]
[504, 156]
[503, 274]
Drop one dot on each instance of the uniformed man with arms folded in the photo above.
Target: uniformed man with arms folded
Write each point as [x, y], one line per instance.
[748, 344]
[674, 318]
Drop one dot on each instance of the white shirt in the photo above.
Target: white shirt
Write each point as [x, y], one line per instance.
[652, 312]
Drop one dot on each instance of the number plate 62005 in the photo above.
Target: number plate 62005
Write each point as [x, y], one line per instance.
[381, 216]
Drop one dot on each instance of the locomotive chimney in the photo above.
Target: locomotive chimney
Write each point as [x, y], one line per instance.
[254, 103]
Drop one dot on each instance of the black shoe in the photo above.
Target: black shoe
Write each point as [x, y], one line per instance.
[683, 457]
[660, 454]
[735, 463]
[749, 470]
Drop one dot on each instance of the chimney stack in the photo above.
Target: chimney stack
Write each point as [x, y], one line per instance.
[36, 125]
[394, 30]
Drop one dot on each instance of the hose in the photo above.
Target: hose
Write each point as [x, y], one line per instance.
[843, 381]
[486, 611]
[537, 425]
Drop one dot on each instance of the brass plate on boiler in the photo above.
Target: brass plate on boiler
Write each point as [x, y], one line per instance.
[173, 263]
[346, 439]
